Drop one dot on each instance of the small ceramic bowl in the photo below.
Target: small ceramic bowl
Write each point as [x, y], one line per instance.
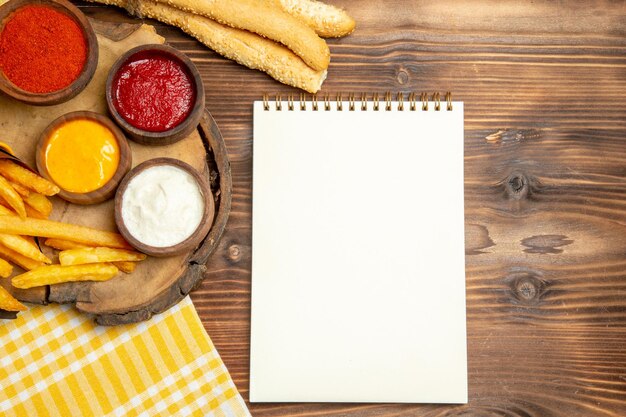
[65, 94]
[105, 192]
[171, 135]
[195, 238]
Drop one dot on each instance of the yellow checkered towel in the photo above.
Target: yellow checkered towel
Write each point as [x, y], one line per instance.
[55, 361]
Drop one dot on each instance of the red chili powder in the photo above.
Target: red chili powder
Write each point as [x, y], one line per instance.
[41, 49]
[153, 91]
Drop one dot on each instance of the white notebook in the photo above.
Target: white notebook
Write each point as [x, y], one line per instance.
[358, 264]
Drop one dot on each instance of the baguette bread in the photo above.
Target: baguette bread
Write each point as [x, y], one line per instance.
[264, 18]
[326, 20]
[244, 47]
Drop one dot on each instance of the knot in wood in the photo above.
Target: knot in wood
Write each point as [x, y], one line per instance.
[402, 77]
[526, 290]
[518, 186]
[517, 183]
[527, 286]
[234, 252]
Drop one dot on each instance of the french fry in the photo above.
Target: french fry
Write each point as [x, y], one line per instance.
[326, 20]
[6, 269]
[40, 203]
[63, 245]
[11, 196]
[4, 211]
[20, 189]
[56, 274]
[26, 178]
[126, 267]
[18, 259]
[9, 303]
[52, 229]
[98, 255]
[23, 247]
[31, 212]
[22, 241]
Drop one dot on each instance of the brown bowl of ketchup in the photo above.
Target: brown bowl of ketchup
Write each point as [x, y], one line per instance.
[155, 94]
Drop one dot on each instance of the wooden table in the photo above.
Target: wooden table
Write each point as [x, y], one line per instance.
[545, 191]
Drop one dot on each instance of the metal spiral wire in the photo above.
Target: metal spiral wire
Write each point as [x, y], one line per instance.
[410, 103]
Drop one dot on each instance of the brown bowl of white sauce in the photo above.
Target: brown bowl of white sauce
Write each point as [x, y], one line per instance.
[164, 207]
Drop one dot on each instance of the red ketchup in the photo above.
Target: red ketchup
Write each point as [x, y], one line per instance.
[153, 91]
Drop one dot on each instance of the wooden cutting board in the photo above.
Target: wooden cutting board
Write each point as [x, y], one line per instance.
[157, 283]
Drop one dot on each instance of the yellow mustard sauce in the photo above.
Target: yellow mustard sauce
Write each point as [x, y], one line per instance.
[81, 155]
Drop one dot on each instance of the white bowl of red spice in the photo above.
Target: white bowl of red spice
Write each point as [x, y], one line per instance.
[164, 207]
[48, 51]
[155, 93]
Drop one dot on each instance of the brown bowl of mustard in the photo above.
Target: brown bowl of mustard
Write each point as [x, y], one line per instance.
[85, 154]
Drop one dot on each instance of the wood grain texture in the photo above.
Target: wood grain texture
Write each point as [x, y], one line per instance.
[545, 176]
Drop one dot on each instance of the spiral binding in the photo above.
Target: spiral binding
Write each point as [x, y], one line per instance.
[411, 102]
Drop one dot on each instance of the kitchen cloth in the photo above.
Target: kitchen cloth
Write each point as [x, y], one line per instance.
[55, 361]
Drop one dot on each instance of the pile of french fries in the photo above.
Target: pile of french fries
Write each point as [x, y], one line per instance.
[86, 254]
[280, 37]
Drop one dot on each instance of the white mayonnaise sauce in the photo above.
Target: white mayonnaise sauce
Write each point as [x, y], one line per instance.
[162, 206]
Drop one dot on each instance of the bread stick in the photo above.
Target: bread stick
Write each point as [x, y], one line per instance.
[241, 46]
[264, 18]
[326, 20]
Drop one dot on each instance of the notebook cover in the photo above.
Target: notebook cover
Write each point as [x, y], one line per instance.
[358, 279]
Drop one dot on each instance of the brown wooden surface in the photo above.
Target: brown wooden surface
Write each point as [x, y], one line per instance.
[544, 86]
